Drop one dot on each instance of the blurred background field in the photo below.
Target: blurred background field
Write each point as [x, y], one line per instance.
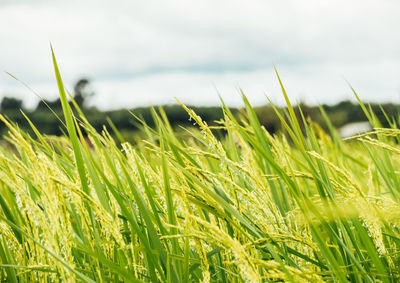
[343, 115]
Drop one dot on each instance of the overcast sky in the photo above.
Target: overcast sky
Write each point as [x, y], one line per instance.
[148, 52]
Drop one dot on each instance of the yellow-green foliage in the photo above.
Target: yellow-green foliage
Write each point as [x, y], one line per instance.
[302, 206]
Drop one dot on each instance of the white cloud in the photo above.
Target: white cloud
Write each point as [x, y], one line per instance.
[155, 50]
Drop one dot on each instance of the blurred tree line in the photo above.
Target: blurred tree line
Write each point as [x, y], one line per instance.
[340, 114]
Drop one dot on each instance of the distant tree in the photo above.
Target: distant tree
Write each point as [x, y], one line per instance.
[45, 104]
[82, 91]
[10, 103]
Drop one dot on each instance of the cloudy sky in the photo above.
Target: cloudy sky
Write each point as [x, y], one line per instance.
[148, 52]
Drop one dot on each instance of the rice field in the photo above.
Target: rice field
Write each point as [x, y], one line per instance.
[299, 206]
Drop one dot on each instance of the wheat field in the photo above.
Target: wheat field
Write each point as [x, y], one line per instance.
[300, 206]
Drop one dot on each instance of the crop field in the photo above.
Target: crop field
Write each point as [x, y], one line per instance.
[300, 206]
